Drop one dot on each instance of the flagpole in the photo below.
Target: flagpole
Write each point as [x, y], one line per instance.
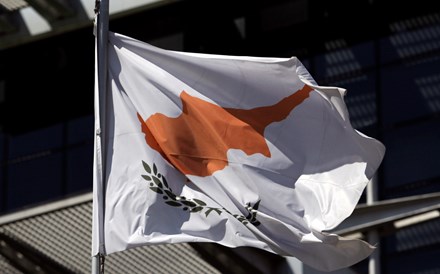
[102, 21]
[373, 235]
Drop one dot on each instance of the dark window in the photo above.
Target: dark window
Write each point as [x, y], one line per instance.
[80, 154]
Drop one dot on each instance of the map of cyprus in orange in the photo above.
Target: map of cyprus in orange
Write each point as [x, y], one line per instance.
[196, 142]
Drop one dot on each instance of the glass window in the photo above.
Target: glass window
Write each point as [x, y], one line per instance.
[35, 180]
[410, 91]
[36, 142]
[413, 244]
[413, 154]
[411, 38]
[35, 167]
[80, 138]
[80, 130]
[80, 168]
[342, 60]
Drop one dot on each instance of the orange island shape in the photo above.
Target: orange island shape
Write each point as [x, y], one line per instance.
[196, 142]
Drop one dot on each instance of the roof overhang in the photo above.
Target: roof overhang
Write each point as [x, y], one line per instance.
[23, 21]
[390, 215]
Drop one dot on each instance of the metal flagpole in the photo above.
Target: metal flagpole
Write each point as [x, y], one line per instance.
[373, 235]
[102, 21]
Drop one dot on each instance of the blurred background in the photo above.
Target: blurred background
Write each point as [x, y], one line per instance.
[385, 53]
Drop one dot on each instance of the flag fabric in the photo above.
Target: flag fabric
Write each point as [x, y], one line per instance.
[240, 151]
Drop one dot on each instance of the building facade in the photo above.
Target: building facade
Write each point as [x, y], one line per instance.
[385, 53]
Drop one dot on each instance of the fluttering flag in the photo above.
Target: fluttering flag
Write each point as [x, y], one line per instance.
[240, 151]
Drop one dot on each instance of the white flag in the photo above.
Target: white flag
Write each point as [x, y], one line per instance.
[240, 151]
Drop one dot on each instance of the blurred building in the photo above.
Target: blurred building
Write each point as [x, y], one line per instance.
[386, 53]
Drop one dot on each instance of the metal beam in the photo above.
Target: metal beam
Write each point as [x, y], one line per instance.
[383, 213]
[46, 208]
[7, 24]
[12, 5]
[52, 10]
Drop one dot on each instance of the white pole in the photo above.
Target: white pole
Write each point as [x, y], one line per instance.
[95, 264]
[102, 10]
[373, 235]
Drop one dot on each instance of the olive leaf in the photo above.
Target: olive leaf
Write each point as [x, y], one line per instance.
[173, 203]
[199, 202]
[156, 189]
[157, 182]
[146, 167]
